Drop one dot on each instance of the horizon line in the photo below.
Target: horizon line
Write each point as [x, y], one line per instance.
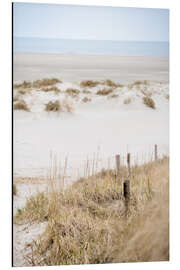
[167, 41]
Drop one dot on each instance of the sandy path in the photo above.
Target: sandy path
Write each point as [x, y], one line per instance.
[25, 234]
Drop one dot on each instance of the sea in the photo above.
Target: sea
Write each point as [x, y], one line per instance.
[90, 47]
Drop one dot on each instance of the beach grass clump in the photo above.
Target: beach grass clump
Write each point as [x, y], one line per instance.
[72, 92]
[127, 100]
[51, 89]
[45, 82]
[15, 190]
[35, 210]
[87, 223]
[58, 106]
[86, 99]
[149, 102]
[21, 105]
[89, 83]
[23, 85]
[138, 82]
[104, 92]
[15, 98]
[112, 84]
[53, 106]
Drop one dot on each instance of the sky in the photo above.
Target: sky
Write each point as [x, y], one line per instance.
[90, 22]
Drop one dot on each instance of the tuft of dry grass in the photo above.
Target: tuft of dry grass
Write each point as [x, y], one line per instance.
[16, 98]
[149, 102]
[53, 106]
[51, 89]
[57, 106]
[45, 82]
[89, 83]
[88, 224]
[21, 105]
[127, 100]
[37, 84]
[86, 99]
[112, 84]
[14, 190]
[72, 92]
[25, 85]
[104, 92]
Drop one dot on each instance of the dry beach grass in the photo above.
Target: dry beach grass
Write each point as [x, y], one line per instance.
[87, 223]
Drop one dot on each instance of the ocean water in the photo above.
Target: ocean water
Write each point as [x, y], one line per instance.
[90, 47]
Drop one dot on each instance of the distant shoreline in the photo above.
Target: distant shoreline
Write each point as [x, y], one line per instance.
[88, 55]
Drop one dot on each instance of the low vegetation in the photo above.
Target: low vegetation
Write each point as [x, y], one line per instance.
[57, 106]
[21, 105]
[51, 89]
[89, 224]
[72, 92]
[53, 106]
[24, 85]
[149, 102]
[37, 83]
[89, 83]
[14, 189]
[112, 84]
[86, 99]
[104, 92]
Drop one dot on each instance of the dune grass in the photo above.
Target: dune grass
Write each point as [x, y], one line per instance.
[149, 102]
[104, 92]
[89, 83]
[24, 85]
[37, 84]
[53, 106]
[72, 92]
[58, 106]
[15, 190]
[51, 89]
[86, 99]
[21, 105]
[112, 84]
[87, 223]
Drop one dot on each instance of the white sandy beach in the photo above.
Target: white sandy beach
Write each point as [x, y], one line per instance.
[104, 126]
[70, 68]
[95, 130]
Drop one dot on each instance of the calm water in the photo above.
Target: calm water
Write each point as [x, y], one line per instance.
[91, 47]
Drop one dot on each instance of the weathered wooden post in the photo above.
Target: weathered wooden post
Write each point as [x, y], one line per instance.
[129, 164]
[126, 194]
[155, 152]
[117, 167]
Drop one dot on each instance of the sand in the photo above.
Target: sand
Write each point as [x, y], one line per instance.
[87, 139]
[78, 67]
[104, 127]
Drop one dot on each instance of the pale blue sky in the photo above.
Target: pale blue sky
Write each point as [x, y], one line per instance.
[90, 22]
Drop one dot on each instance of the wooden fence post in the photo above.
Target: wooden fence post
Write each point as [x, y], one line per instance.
[155, 152]
[126, 194]
[117, 167]
[129, 164]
